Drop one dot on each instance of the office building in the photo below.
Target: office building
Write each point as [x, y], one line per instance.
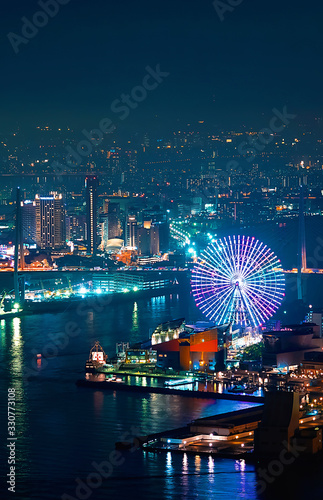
[50, 221]
[114, 221]
[28, 211]
[148, 239]
[131, 228]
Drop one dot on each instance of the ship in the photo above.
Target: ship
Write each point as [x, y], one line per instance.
[97, 358]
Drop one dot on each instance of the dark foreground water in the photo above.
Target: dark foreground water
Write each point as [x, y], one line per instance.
[62, 430]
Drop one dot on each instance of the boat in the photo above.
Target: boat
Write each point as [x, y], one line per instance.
[97, 358]
[242, 388]
[174, 383]
[114, 378]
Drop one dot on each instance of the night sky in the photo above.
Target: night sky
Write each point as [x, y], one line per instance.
[262, 55]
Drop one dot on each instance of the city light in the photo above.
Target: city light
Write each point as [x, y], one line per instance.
[238, 280]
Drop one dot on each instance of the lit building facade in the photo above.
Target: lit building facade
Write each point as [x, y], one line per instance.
[131, 231]
[196, 351]
[28, 209]
[148, 239]
[141, 357]
[125, 282]
[50, 221]
[168, 331]
[91, 186]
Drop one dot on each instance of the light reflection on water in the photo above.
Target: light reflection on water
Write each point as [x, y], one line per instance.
[63, 429]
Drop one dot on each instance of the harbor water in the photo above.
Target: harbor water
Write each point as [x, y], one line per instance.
[65, 433]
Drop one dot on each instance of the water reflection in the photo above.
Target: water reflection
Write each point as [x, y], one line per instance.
[16, 364]
[90, 323]
[3, 336]
[98, 397]
[135, 317]
[185, 481]
[62, 428]
[211, 469]
[197, 463]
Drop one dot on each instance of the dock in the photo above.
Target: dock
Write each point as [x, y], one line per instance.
[117, 386]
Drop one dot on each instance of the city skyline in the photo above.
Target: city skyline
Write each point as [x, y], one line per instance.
[161, 250]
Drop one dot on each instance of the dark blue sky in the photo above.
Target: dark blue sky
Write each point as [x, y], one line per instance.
[263, 55]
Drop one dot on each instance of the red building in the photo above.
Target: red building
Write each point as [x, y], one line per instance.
[196, 351]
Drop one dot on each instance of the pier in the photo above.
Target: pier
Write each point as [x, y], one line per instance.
[117, 386]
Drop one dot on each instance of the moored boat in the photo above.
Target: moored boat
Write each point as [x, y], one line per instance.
[97, 358]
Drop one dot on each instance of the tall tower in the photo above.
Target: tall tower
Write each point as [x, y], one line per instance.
[91, 186]
[28, 212]
[301, 256]
[114, 222]
[50, 221]
[131, 231]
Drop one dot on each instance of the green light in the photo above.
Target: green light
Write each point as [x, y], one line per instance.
[135, 289]
[16, 306]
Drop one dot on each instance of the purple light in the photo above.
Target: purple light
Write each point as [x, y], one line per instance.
[239, 280]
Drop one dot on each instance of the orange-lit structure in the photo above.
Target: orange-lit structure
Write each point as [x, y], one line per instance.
[195, 351]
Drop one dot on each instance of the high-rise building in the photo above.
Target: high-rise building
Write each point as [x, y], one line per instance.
[50, 221]
[75, 227]
[143, 234]
[91, 186]
[154, 239]
[131, 231]
[114, 221]
[28, 210]
[148, 239]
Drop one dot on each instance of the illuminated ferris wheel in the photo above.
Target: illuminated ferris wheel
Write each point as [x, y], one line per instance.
[238, 280]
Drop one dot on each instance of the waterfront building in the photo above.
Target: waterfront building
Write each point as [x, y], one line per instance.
[50, 221]
[286, 348]
[141, 357]
[123, 281]
[312, 365]
[91, 186]
[168, 331]
[190, 351]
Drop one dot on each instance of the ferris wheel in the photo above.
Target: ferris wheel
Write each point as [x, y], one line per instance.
[238, 280]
